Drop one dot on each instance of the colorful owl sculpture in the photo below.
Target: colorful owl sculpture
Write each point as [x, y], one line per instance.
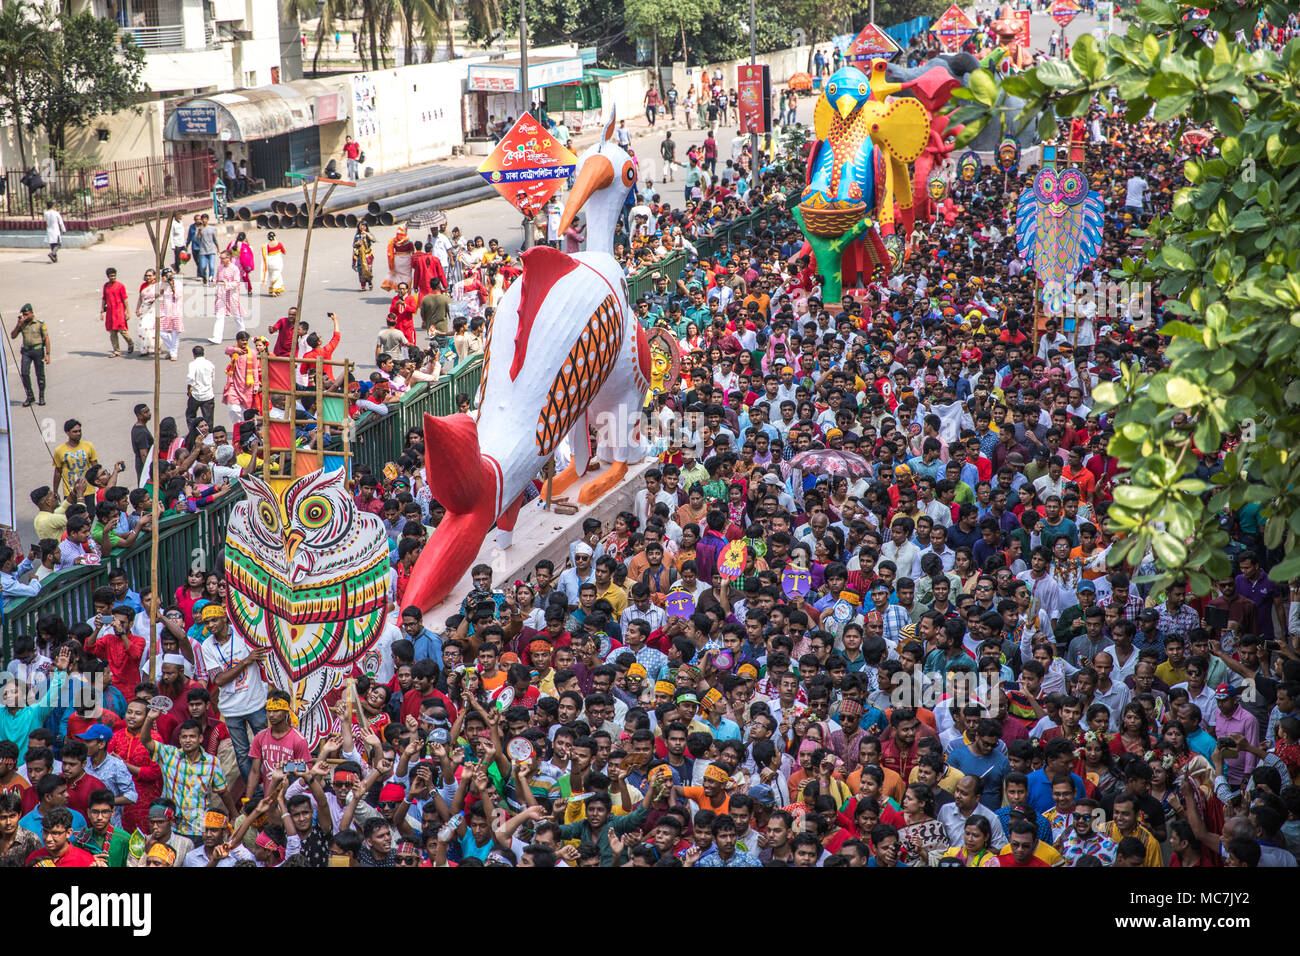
[1058, 229]
[307, 581]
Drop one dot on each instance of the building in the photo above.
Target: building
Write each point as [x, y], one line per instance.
[199, 46]
[191, 47]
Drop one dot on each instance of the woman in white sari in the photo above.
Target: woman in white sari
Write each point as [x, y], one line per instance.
[146, 310]
[400, 270]
[273, 265]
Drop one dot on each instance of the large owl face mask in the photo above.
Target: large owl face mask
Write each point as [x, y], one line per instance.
[306, 574]
[1059, 190]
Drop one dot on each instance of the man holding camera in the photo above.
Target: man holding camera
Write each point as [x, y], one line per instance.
[278, 744]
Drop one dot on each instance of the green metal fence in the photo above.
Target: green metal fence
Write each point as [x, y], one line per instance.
[379, 439]
[184, 541]
[728, 234]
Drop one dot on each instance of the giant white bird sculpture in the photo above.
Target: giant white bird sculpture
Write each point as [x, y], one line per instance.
[563, 350]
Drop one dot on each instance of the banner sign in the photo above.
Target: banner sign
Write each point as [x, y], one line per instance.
[871, 44]
[953, 28]
[754, 86]
[528, 166]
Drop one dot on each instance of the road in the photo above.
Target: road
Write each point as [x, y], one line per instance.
[87, 384]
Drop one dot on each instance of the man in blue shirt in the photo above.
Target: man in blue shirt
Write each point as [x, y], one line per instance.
[11, 573]
[122, 593]
[982, 759]
[51, 792]
[1058, 758]
[428, 645]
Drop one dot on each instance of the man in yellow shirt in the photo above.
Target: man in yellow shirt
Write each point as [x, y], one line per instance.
[73, 458]
[1172, 670]
[50, 521]
[607, 589]
[1125, 824]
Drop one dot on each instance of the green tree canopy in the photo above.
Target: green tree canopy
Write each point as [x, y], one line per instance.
[1228, 256]
[83, 70]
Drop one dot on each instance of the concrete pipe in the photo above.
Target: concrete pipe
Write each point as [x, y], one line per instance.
[385, 218]
[263, 221]
[374, 208]
[351, 220]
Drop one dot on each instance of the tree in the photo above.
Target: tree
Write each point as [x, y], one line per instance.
[1227, 257]
[818, 21]
[484, 19]
[20, 65]
[420, 22]
[664, 19]
[446, 13]
[85, 70]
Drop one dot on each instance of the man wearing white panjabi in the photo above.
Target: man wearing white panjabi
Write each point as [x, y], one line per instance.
[228, 302]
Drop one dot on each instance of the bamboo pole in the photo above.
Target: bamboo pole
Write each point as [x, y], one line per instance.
[313, 210]
[159, 235]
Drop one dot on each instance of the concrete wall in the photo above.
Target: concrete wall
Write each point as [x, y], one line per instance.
[626, 93]
[407, 115]
[783, 64]
[131, 136]
[401, 117]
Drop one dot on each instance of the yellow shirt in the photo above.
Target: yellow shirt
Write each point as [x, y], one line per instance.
[1044, 851]
[1170, 675]
[948, 781]
[51, 524]
[73, 463]
[1153, 857]
[986, 858]
[616, 597]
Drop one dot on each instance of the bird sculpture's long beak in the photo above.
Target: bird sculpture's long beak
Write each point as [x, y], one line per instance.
[845, 105]
[596, 173]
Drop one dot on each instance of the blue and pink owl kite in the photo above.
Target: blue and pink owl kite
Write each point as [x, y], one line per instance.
[1058, 229]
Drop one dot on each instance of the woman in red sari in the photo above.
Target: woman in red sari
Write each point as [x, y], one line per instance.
[617, 541]
[1134, 735]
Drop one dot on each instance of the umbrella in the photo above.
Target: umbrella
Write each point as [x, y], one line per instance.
[427, 219]
[800, 81]
[828, 461]
[1197, 138]
[823, 461]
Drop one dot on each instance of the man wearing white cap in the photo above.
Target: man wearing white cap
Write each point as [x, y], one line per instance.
[582, 572]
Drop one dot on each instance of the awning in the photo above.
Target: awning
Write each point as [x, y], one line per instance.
[245, 115]
[502, 76]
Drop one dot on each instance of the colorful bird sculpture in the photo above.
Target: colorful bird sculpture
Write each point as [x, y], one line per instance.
[564, 349]
[857, 172]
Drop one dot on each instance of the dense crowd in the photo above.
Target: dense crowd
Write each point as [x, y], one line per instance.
[904, 647]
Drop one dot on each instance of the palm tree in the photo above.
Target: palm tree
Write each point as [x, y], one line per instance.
[20, 63]
[418, 19]
[446, 11]
[486, 15]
